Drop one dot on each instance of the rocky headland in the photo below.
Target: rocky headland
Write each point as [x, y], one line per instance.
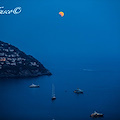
[15, 63]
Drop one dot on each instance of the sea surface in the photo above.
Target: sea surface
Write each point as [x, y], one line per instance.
[81, 50]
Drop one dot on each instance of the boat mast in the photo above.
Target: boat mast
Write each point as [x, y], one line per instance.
[53, 90]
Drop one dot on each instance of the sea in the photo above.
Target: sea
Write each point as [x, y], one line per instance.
[80, 49]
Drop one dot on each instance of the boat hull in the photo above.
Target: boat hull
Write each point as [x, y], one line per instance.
[53, 98]
[78, 92]
[96, 115]
[37, 86]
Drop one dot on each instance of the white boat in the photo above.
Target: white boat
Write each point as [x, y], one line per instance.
[53, 92]
[96, 114]
[34, 86]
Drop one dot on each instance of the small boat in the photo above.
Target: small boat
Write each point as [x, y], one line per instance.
[53, 98]
[96, 114]
[34, 86]
[53, 92]
[78, 91]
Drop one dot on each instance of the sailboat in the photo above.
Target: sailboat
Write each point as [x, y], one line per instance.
[53, 92]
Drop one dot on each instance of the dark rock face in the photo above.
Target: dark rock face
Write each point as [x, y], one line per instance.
[15, 63]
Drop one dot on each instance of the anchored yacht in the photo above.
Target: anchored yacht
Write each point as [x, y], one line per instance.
[34, 86]
[96, 114]
[78, 91]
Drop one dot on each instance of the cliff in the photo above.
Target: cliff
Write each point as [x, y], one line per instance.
[15, 63]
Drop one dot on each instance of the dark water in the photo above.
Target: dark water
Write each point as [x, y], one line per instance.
[101, 93]
[81, 49]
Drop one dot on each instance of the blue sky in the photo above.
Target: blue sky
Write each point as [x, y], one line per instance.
[89, 27]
